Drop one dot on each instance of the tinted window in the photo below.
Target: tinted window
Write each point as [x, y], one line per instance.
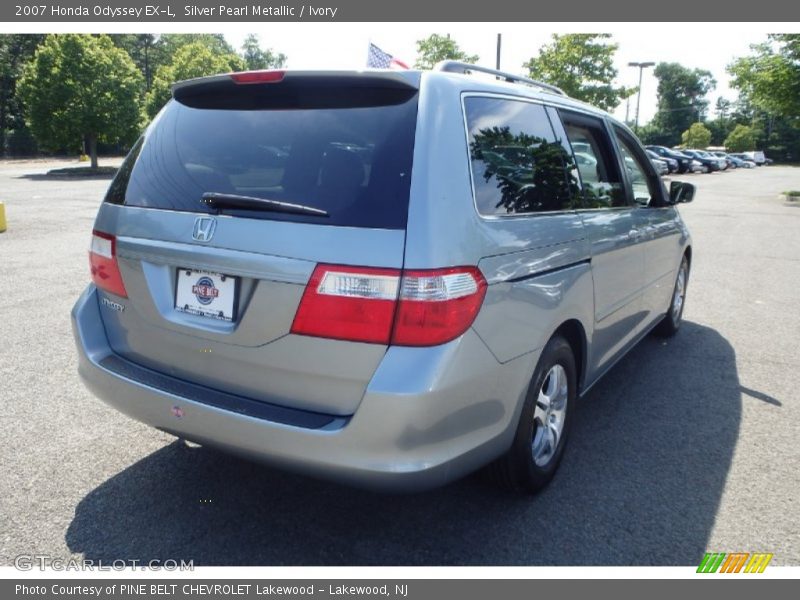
[354, 163]
[640, 176]
[602, 185]
[518, 166]
[116, 191]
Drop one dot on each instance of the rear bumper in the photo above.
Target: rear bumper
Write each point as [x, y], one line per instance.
[429, 415]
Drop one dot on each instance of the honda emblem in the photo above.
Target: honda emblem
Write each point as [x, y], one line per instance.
[204, 229]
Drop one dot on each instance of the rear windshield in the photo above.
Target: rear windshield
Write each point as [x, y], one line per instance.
[353, 163]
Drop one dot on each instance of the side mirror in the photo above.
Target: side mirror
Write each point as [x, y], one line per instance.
[680, 191]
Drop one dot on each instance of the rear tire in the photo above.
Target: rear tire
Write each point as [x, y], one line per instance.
[669, 325]
[544, 424]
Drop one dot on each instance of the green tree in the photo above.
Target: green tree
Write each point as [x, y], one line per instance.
[256, 58]
[81, 87]
[216, 42]
[650, 134]
[723, 108]
[781, 140]
[436, 48]
[15, 51]
[195, 59]
[583, 66]
[741, 139]
[697, 136]
[719, 128]
[723, 124]
[681, 100]
[770, 77]
[146, 50]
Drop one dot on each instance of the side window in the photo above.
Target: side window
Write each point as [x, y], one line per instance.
[639, 176]
[594, 159]
[518, 166]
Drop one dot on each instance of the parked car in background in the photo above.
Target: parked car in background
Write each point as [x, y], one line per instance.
[684, 161]
[672, 164]
[661, 166]
[721, 162]
[732, 164]
[757, 156]
[697, 167]
[709, 164]
[746, 161]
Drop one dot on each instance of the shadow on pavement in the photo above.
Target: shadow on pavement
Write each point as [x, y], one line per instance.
[106, 173]
[640, 484]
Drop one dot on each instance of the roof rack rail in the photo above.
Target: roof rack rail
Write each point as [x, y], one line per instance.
[454, 66]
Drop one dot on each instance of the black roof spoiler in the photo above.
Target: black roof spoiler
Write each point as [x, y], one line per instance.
[274, 79]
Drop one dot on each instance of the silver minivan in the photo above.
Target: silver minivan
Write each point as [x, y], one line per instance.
[389, 279]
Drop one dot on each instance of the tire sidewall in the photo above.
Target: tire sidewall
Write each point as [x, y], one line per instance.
[676, 322]
[530, 475]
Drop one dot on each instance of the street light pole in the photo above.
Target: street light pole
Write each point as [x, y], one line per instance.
[642, 66]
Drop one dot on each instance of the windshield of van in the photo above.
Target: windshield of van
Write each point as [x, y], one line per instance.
[352, 163]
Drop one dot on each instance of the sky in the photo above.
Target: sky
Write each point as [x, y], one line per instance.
[344, 46]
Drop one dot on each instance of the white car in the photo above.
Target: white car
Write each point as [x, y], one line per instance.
[757, 156]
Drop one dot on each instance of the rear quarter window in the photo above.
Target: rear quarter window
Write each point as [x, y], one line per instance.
[518, 165]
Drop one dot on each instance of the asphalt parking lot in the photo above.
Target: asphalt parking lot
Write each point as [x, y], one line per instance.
[686, 446]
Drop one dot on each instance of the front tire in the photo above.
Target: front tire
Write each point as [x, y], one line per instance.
[669, 325]
[544, 424]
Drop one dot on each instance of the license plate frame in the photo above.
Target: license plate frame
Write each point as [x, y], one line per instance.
[206, 294]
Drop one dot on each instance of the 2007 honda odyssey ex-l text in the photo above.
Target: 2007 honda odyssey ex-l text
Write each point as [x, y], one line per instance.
[384, 278]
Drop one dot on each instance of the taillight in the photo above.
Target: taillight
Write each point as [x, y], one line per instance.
[387, 306]
[267, 76]
[348, 304]
[103, 263]
[437, 306]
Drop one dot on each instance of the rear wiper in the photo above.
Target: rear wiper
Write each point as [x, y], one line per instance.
[220, 200]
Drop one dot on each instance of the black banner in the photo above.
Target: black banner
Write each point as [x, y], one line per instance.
[229, 11]
[369, 589]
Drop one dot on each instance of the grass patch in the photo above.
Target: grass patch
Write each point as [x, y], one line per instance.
[83, 172]
[792, 193]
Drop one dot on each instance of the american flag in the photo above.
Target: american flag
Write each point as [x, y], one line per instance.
[378, 59]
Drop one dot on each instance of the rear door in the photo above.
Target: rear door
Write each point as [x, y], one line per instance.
[610, 224]
[658, 226]
[212, 292]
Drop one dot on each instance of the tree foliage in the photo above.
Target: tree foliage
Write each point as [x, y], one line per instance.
[436, 48]
[681, 101]
[257, 58]
[215, 42]
[697, 136]
[147, 51]
[81, 87]
[15, 51]
[195, 59]
[741, 139]
[583, 66]
[151, 51]
[770, 77]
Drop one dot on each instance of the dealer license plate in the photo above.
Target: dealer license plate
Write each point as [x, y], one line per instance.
[206, 294]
